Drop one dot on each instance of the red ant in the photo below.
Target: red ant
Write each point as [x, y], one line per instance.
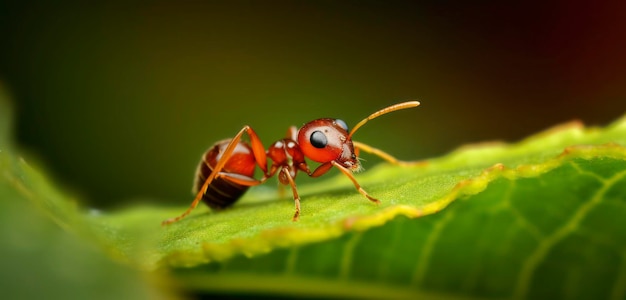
[226, 170]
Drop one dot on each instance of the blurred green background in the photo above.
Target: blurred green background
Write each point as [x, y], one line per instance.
[119, 100]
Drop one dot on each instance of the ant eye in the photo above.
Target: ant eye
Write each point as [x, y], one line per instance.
[342, 124]
[318, 139]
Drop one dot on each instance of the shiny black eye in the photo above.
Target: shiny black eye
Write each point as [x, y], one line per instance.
[318, 139]
[342, 124]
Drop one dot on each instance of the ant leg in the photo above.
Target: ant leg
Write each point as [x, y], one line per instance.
[259, 156]
[257, 148]
[321, 170]
[356, 184]
[292, 133]
[385, 155]
[294, 190]
[241, 179]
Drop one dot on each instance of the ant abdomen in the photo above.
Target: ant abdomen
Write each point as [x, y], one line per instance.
[223, 192]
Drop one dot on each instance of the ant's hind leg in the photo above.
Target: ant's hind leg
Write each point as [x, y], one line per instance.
[259, 154]
[241, 179]
[384, 155]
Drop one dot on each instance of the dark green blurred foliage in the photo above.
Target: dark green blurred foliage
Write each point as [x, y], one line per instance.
[121, 99]
[47, 250]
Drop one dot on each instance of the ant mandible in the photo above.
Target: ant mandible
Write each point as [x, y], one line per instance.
[226, 170]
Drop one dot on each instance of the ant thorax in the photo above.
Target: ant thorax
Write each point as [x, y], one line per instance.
[287, 154]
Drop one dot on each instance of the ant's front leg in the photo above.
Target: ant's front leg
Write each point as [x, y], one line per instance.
[325, 167]
[384, 155]
[356, 184]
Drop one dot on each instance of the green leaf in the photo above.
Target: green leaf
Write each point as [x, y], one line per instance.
[553, 230]
[540, 218]
[46, 248]
[331, 207]
[520, 207]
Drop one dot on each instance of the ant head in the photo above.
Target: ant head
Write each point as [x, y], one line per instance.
[325, 140]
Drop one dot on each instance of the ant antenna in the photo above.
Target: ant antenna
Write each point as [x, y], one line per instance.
[386, 110]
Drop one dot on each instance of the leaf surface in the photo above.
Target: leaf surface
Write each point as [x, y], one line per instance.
[543, 217]
[46, 247]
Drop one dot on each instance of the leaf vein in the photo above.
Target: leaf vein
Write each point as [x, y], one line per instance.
[427, 250]
[348, 255]
[619, 289]
[535, 258]
[580, 170]
[292, 259]
[383, 264]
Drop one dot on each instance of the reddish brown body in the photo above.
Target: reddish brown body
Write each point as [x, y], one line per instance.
[222, 192]
[227, 169]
